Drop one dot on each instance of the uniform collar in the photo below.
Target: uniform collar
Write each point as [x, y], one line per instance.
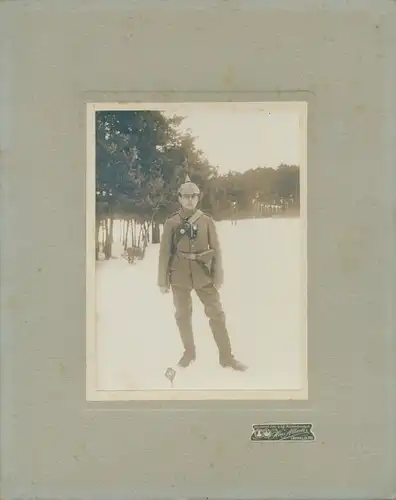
[186, 214]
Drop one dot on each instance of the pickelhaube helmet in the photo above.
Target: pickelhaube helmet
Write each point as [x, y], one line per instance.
[188, 187]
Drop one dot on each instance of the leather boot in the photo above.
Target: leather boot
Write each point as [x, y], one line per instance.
[222, 339]
[231, 362]
[187, 338]
[187, 358]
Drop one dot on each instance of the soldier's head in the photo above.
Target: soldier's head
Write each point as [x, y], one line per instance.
[188, 194]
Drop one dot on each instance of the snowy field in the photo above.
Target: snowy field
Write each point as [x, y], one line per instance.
[137, 338]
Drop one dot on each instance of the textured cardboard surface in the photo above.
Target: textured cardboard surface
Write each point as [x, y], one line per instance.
[55, 57]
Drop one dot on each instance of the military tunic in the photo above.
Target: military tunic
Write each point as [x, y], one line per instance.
[178, 271]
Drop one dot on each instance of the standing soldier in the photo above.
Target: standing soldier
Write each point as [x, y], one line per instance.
[190, 259]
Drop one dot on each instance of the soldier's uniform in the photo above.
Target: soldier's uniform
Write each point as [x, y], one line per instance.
[190, 259]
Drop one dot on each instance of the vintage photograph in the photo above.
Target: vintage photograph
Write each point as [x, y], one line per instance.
[199, 252]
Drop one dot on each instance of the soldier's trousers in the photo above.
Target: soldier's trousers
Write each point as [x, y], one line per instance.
[210, 299]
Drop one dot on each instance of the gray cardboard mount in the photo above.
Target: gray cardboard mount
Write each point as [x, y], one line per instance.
[340, 57]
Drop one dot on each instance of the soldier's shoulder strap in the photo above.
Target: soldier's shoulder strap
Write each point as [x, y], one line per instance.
[195, 217]
[208, 216]
[172, 217]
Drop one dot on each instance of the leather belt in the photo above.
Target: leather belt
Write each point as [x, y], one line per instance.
[197, 255]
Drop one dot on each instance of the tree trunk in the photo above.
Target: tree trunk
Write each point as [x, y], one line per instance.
[97, 243]
[146, 234]
[106, 239]
[102, 232]
[212, 202]
[126, 235]
[109, 236]
[132, 229]
[122, 230]
[133, 233]
[155, 233]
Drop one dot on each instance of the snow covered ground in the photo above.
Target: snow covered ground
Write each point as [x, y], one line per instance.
[137, 339]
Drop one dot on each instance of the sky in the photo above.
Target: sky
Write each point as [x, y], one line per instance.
[240, 139]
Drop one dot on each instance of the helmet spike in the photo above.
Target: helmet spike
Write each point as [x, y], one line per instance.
[189, 187]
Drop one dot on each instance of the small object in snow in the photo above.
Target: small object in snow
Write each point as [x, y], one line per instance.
[170, 375]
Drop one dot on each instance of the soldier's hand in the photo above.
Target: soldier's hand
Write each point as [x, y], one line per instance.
[217, 286]
[164, 289]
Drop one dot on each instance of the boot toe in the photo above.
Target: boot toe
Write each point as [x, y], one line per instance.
[186, 359]
[234, 364]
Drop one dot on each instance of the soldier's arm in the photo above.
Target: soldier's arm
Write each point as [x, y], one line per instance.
[165, 253]
[214, 243]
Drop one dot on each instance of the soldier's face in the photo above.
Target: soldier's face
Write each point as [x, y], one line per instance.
[189, 201]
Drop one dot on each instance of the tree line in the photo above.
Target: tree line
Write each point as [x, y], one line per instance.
[142, 157]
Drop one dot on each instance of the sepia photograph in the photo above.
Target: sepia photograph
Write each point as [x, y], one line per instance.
[196, 244]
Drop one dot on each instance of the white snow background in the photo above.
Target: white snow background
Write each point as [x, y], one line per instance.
[137, 338]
